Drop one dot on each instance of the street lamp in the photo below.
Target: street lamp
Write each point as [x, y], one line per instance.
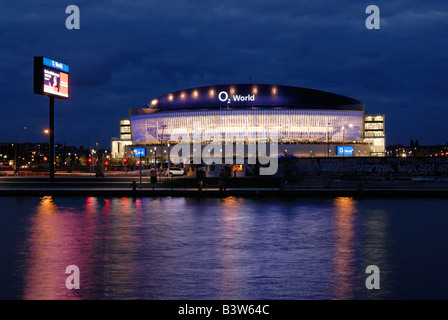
[93, 160]
[168, 157]
[97, 157]
[46, 132]
[15, 148]
[343, 138]
[328, 140]
[162, 142]
[155, 161]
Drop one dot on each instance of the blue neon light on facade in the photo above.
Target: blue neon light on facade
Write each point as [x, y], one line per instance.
[344, 151]
[55, 64]
[139, 152]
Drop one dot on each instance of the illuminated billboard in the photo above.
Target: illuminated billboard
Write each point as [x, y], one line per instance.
[344, 151]
[50, 77]
[140, 152]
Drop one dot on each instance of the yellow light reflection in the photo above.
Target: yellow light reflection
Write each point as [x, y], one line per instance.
[45, 278]
[230, 278]
[344, 273]
[46, 206]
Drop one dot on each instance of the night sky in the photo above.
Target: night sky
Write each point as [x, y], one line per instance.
[128, 52]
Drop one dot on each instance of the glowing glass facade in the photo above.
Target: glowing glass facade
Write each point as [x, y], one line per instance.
[307, 122]
[294, 125]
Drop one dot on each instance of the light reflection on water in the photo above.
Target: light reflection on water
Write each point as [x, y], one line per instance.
[344, 256]
[188, 248]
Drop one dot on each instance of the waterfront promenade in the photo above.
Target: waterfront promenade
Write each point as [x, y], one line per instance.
[411, 177]
[248, 186]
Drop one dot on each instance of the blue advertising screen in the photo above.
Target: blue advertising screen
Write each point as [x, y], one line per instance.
[344, 151]
[139, 152]
[55, 64]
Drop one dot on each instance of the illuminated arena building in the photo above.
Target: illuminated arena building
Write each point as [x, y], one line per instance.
[306, 122]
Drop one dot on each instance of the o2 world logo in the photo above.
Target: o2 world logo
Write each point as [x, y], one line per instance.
[223, 96]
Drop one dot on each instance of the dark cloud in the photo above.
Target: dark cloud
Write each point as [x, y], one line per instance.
[128, 52]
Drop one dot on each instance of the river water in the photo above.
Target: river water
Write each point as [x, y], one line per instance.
[230, 248]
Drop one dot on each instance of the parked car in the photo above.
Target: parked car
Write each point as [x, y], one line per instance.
[175, 172]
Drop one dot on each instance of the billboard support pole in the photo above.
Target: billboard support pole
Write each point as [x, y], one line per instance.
[51, 139]
[328, 141]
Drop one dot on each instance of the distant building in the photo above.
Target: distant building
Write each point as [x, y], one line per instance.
[417, 151]
[118, 145]
[375, 134]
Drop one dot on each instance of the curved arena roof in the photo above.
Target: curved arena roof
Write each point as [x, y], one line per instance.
[249, 96]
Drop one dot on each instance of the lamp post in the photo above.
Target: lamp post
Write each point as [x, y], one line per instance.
[343, 138]
[155, 161]
[15, 148]
[161, 146]
[168, 157]
[92, 166]
[140, 170]
[46, 132]
[97, 158]
[328, 140]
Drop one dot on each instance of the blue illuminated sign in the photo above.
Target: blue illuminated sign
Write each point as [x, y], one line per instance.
[55, 64]
[140, 152]
[344, 151]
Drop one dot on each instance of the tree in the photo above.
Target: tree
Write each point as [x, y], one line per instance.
[147, 160]
[83, 159]
[132, 161]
